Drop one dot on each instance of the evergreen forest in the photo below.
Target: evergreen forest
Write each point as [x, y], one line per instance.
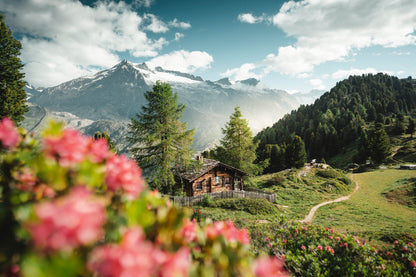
[339, 117]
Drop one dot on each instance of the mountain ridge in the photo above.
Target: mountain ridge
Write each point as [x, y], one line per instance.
[117, 94]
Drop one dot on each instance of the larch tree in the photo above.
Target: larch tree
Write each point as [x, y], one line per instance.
[239, 149]
[161, 143]
[12, 94]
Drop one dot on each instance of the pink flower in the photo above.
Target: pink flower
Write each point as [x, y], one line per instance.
[135, 256]
[269, 266]
[319, 247]
[338, 238]
[9, 134]
[396, 242]
[26, 179]
[98, 150]
[383, 267]
[188, 231]
[296, 231]
[177, 264]
[68, 148]
[332, 230]
[389, 254]
[43, 190]
[411, 244]
[303, 247]
[330, 237]
[229, 231]
[329, 249]
[346, 244]
[270, 245]
[68, 222]
[122, 173]
[412, 264]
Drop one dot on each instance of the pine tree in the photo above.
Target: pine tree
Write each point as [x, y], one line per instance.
[296, 153]
[105, 136]
[12, 93]
[410, 127]
[161, 143]
[379, 145]
[239, 148]
[363, 148]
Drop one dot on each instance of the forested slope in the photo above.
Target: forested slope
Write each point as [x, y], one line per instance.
[336, 119]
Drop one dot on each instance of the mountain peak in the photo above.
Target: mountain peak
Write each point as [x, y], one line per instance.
[224, 81]
[250, 82]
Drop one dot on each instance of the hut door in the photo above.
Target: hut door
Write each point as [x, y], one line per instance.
[209, 185]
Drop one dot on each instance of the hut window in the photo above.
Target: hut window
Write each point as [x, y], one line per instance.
[227, 180]
[198, 186]
[217, 180]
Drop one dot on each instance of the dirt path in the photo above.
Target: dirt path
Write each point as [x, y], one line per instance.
[310, 216]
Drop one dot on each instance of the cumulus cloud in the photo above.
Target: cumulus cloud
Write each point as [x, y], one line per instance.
[317, 84]
[251, 19]
[243, 72]
[65, 39]
[178, 24]
[333, 30]
[155, 24]
[178, 36]
[342, 74]
[142, 3]
[183, 61]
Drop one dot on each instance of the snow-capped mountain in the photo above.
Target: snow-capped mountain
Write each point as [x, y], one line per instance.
[107, 100]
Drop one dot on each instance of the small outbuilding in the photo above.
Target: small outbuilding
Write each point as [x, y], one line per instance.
[213, 176]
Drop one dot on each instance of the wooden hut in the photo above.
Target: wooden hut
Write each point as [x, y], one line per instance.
[213, 176]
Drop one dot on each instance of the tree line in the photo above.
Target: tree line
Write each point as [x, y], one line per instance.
[338, 117]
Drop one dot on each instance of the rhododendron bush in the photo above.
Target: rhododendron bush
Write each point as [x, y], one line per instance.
[70, 207]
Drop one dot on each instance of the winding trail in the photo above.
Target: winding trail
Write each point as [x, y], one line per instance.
[310, 216]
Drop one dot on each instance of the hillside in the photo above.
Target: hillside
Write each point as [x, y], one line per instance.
[110, 98]
[335, 120]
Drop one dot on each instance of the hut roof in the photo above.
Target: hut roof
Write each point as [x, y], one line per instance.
[207, 165]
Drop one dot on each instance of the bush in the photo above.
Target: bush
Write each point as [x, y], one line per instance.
[70, 207]
[253, 206]
[329, 173]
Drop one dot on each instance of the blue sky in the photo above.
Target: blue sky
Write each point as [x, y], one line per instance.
[292, 45]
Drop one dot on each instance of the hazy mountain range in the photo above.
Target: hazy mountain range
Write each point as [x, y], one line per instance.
[107, 100]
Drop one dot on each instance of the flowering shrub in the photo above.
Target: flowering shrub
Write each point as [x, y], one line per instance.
[69, 207]
[310, 250]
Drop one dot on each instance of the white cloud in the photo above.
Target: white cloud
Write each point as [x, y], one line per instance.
[178, 36]
[251, 19]
[342, 74]
[317, 84]
[334, 30]
[142, 3]
[178, 24]
[156, 25]
[183, 61]
[328, 30]
[65, 39]
[241, 73]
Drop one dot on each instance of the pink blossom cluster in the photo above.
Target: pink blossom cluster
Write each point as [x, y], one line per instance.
[72, 147]
[229, 231]
[188, 231]
[9, 134]
[269, 266]
[122, 173]
[27, 181]
[68, 222]
[135, 256]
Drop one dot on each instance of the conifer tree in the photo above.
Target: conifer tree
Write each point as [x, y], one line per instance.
[410, 127]
[12, 93]
[379, 145]
[239, 149]
[110, 143]
[296, 153]
[161, 143]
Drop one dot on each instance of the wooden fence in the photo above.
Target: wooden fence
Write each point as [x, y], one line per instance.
[193, 200]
